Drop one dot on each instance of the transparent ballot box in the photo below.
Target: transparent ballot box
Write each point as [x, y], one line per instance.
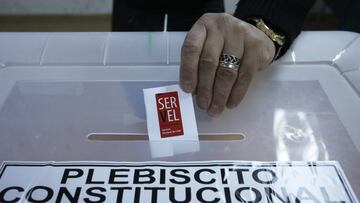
[298, 109]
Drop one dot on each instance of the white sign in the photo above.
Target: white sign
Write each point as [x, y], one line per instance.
[170, 114]
[213, 181]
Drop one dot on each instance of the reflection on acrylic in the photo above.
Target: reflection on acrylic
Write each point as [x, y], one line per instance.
[295, 137]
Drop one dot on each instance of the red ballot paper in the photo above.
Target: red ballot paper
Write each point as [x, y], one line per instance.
[170, 114]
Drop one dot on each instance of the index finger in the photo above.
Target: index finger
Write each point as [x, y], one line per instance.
[190, 54]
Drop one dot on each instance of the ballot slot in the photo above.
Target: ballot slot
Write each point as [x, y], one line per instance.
[145, 137]
[165, 147]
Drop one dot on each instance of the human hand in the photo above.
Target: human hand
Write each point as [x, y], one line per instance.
[219, 87]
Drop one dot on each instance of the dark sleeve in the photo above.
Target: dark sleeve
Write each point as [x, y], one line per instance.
[284, 16]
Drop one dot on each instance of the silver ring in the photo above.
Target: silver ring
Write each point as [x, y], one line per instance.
[230, 66]
[229, 61]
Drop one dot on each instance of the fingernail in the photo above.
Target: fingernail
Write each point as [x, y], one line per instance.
[186, 86]
[202, 102]
[214, 111]
[231, 106]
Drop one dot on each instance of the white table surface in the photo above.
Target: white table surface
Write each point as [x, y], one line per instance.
[56, 88]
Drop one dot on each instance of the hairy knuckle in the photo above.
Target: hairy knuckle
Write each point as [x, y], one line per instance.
[208, 62]
[189, 45]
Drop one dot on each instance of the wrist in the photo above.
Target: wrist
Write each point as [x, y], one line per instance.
[275, 36]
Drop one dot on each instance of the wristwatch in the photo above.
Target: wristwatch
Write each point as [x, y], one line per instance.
[278, 39]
